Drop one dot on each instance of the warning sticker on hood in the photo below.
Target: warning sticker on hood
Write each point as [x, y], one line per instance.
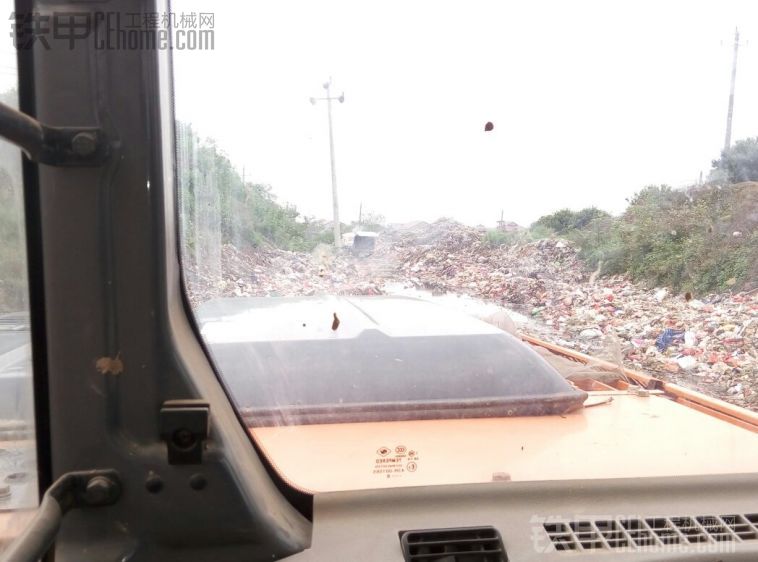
[392, 461]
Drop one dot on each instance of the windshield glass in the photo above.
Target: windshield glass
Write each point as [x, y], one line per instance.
[526, 231]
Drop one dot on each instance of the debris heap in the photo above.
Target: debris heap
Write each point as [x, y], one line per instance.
[709, 342]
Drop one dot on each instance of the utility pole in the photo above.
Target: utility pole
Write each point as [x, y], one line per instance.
[728, 139]
[335, 204]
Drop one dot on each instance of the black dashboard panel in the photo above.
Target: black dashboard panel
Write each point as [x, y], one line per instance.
[365, 526]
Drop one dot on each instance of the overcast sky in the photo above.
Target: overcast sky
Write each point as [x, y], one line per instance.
[590, 100]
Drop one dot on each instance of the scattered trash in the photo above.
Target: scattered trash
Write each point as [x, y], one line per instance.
[736, 389]
[687, 362]
[667, 337]
[690, 339]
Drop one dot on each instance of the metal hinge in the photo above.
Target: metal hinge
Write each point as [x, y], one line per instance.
[184, 427]
[54, 146]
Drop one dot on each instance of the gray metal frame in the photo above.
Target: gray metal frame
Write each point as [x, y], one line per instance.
[112, 289]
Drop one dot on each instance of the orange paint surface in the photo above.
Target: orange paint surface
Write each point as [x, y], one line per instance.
[630, 437]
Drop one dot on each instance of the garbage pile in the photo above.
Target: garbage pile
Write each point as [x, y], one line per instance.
[270, 272]
[421, 233]
[709, 343]
[520, 274]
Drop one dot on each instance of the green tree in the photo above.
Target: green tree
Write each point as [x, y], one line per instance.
[563, 221]
[737, 164]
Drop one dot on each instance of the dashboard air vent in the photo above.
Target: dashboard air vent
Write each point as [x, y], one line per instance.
[469, 544]
[595, 534]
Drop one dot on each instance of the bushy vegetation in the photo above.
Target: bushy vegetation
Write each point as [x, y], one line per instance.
[703, 238]
[566, 220]
[494, 237]
[217, 207]
[13, 274]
